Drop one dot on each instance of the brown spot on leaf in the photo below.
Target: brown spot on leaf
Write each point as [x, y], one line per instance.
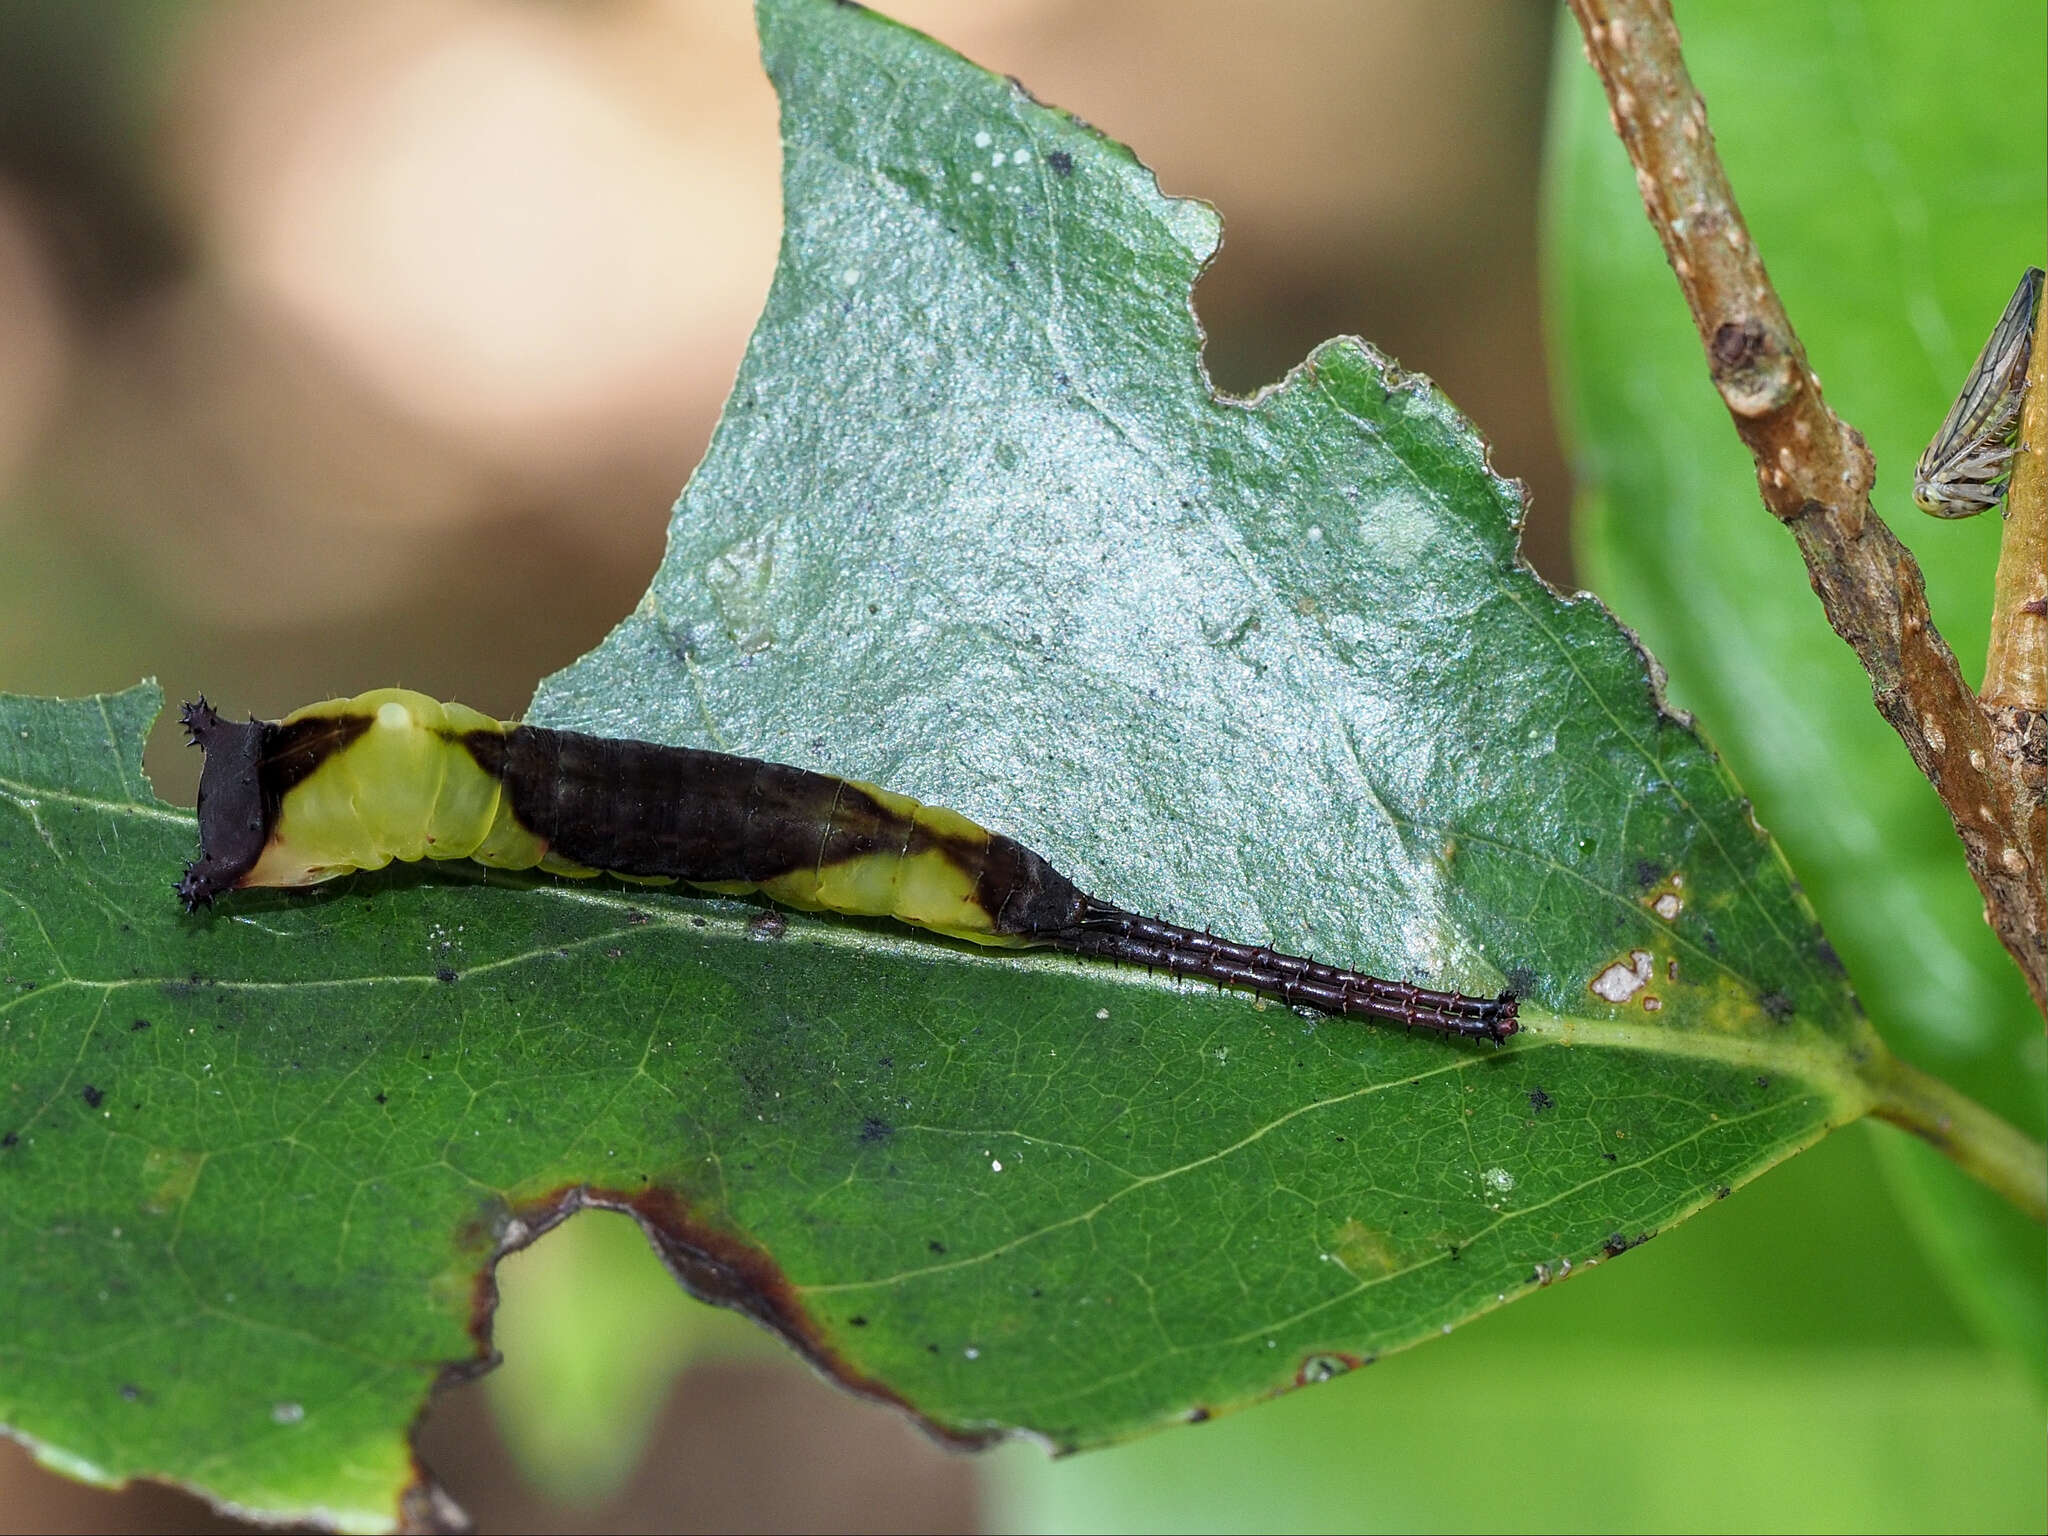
[713, 1264]
[1623, 978]
[1324, 1365]
[169, 1174]
[1365, 1252]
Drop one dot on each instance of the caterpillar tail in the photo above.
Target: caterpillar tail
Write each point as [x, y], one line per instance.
[1110, 933]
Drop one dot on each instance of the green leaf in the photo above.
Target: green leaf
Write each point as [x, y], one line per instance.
[1896, 210]
[973, 527]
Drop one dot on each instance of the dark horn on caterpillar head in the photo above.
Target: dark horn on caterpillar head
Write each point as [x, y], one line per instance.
[234, 821]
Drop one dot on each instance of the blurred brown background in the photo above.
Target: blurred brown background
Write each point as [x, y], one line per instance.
[367, 343]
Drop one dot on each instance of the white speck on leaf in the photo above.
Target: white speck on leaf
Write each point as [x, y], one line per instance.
[983, 139]
[1499, 1180]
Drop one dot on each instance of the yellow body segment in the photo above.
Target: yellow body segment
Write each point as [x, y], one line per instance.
[931, 888]
[405, 789]
[938, 889]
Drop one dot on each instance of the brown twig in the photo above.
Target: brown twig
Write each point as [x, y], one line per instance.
[2016, 669]
[1815, 472]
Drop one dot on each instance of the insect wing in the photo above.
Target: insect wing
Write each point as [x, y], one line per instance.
[1962, 471]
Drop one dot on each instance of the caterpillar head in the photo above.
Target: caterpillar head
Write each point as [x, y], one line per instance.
[234, 813]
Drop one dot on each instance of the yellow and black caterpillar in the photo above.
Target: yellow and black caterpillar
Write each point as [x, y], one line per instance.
[352, 784]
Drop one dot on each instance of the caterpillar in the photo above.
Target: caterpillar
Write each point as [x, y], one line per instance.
[352, 784]
[1963, 471]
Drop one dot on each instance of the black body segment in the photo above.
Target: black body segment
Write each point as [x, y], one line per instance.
[1026, 895]
[639, 809]
[709, 818]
